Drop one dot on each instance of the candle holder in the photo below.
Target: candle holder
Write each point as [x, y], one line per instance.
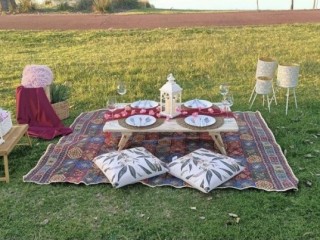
[170, 98]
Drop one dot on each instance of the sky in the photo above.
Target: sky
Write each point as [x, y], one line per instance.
[232, 4]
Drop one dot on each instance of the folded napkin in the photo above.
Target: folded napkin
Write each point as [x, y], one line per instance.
[184, 112]
[128, 111]
[212, 111]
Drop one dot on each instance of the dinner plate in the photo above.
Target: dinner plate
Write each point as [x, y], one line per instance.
[146, 104]
[200, 120]
[140, 120]
[198, 103]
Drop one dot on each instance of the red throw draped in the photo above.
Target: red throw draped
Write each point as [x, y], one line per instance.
[34, 108]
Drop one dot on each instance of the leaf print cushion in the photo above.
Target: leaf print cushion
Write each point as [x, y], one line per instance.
[204, 169]
[129, 166]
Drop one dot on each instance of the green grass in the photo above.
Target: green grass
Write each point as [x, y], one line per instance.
[200, 59]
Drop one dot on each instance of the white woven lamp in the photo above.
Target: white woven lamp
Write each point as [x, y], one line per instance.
[266, 67]
[263, 87]
[170, 98]
[287, 77]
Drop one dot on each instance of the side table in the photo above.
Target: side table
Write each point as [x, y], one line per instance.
[12, 139]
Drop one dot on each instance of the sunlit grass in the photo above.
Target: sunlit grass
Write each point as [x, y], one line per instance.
[200, 59]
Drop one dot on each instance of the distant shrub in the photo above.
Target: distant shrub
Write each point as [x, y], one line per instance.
[47, 2]
[26, 6]
[84, 5]
[63, 6]
[119, 5]
[145, 4]
[102, 5]
[125, 4]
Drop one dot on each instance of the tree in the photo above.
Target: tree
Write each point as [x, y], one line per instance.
[292, 4]
[6, 3]
[315, 4]
[4, 6]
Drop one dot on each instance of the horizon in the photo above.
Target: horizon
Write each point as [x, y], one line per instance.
[233, 4]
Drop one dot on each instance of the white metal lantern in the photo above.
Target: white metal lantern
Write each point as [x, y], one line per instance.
[170, 98]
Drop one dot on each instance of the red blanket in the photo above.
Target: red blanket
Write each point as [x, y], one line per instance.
[34, 108]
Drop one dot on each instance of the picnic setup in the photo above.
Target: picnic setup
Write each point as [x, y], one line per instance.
[159, 124]
[171, 141]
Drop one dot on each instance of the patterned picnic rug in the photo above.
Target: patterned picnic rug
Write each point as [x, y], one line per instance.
[254, 146]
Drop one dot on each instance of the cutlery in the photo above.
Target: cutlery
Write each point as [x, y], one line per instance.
[132, 121]
[147, 120]
[206, 120]
[138, 104]
[201, 122]
[200, 103]
[193, 121]
[189, 104]
[145, 103]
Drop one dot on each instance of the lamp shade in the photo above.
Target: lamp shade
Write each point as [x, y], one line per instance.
[266, 67]
[263, 85]
[287, 76]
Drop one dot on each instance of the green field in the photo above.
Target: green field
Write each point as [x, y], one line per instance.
[200, 59]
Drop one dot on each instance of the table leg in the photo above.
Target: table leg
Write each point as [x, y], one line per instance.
[29, 143]
[218, 141]
[6, 168]
[29, 140]
[124, 139]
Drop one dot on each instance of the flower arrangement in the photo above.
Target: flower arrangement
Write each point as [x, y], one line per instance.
[59, 99]
[59, 92]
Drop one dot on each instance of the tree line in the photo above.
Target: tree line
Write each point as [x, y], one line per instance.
[6, 3]
[315, 4]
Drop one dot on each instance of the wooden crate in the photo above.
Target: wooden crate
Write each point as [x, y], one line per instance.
[61, 109]
[5, 124]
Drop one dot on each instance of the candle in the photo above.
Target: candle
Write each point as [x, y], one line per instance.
[167, 106]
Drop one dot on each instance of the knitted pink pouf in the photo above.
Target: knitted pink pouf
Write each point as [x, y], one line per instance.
[36, 76]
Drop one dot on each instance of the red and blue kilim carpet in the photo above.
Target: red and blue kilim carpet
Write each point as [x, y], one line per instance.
[254, 146]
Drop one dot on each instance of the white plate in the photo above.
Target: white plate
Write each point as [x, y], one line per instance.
[200, 120]
[198, 103]
[141, 120]
[146, 104]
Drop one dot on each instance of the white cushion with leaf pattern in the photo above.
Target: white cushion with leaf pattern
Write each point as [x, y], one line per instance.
[129, 166]
[204, 169]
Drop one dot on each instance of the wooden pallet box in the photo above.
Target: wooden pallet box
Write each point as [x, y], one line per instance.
[5, 124]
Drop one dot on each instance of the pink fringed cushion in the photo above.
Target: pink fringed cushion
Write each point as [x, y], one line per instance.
[34, 76]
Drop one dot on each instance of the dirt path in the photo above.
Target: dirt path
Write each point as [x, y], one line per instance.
[149, 21]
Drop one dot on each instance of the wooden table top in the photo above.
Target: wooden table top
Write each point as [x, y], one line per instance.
[229, 125]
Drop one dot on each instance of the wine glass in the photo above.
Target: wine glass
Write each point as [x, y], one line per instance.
[121, 88]
[228, 102]
[112, 104]
[224, 89]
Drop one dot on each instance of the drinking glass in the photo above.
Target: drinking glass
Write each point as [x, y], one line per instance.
[228, 102]
[224, 89]
[121, 88]
[112, 104]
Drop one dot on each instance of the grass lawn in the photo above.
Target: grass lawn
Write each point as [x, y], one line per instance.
[200, 59]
